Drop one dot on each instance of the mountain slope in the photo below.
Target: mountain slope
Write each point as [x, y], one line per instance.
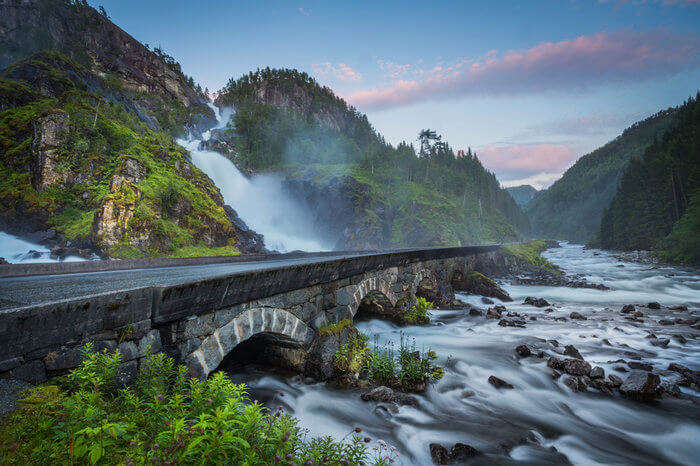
[522, 194]
[572, 207]
[364, 192]
[97, 177]
[659, 194]
[158, 91]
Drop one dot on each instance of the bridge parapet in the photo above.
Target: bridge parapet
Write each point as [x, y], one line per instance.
[201, 321]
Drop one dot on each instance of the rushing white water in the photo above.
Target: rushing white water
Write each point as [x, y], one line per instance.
[260, 201]
[14, 249]
[520, 426]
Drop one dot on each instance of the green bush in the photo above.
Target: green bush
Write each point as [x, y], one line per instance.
[419, 313]
[164, 418]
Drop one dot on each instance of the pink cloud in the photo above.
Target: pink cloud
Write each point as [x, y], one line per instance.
[341, 71]
[524, 160]
[575, 63]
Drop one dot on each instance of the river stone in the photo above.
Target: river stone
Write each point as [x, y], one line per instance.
[654, 305]
[627, 309]
[570, 350]
[576, 316]
[645, 366]
[662, 342]
[537, 302]
[640, 386]
[597, 373]
[461, 452]
[475, 312]
[576, 384]
[439, 454]
[523, 351]
[499, 383]
[615, 380]
[570, 366]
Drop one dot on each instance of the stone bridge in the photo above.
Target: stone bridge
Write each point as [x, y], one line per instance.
[203, 321]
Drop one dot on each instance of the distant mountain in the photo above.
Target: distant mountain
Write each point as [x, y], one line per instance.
[572, 207]
[522, 194]
[363, 191]
[657, 203]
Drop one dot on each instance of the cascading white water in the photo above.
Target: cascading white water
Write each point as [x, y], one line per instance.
[14, 249]
[260, 201]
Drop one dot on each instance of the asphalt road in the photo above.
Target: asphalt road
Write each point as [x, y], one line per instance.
[24, 291]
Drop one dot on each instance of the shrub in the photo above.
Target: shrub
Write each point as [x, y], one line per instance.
[419, 313]
[165, 418]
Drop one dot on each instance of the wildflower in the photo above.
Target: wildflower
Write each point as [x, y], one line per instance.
[367, 439]
[288, 457]
[358, 429]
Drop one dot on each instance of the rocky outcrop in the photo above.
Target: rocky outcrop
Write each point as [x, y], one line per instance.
[112, 220]
[95, 42]
[479, 284]
[248, 241]
[50, 133]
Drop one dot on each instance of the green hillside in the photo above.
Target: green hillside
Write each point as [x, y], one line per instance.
[572, 207]
[657, 203]
[383, 196]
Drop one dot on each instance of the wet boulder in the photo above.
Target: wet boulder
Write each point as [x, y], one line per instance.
[662, 342]
[641, 386]
[570, 366]
[499, 383]
[523, 351]
[384, 394]
[615, 380]
[575, 384]
[637, 365]
[476, 312]
[577, 316]
[627, 309]
[570, 350]
[486, 300]
[597, 373]
[495, 312]
[459, 453]
[654, 305]
[537, 302]
[512, 322]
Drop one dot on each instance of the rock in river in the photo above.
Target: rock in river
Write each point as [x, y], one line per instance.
[537, 302]
[499, 383]
[640, 386]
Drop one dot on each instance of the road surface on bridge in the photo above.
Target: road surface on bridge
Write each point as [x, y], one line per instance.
[24, 291]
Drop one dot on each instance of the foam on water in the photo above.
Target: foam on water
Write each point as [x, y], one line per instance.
[16, 250]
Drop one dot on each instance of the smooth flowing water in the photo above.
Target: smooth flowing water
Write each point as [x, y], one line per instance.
[520, 426]
[15, 250]
[260, 201]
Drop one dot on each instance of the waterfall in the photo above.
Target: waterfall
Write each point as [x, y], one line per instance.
[260, 201]
[14, 249]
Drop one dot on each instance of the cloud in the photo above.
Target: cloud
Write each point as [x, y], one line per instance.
[580, 126]
[518, 161]
[582, 62]
[341, 71]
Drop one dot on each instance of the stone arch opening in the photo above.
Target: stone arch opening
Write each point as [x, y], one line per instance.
[266, 351]
[278, 330]
[374, 304]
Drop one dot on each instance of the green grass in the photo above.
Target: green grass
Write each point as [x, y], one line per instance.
[205, 251]
[530, 253]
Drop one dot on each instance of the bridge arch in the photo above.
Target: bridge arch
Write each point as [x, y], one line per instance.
[373, 289]
[215, 347]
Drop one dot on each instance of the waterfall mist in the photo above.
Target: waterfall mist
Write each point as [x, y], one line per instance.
[260, 201]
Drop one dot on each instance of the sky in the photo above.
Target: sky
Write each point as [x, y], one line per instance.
[530, 85]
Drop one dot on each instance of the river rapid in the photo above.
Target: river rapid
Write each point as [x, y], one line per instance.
[540, 419]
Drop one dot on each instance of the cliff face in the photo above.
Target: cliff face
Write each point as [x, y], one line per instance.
[153, 80]
[78, 163]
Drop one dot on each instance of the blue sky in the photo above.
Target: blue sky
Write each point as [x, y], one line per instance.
[531, 85]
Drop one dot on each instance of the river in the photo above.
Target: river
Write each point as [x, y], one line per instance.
[521, 426]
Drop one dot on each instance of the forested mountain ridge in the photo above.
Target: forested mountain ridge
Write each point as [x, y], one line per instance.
[657, 203]
[572, 207]
[87, 161]
[367, 193]
[522, 194]
[149, 81]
